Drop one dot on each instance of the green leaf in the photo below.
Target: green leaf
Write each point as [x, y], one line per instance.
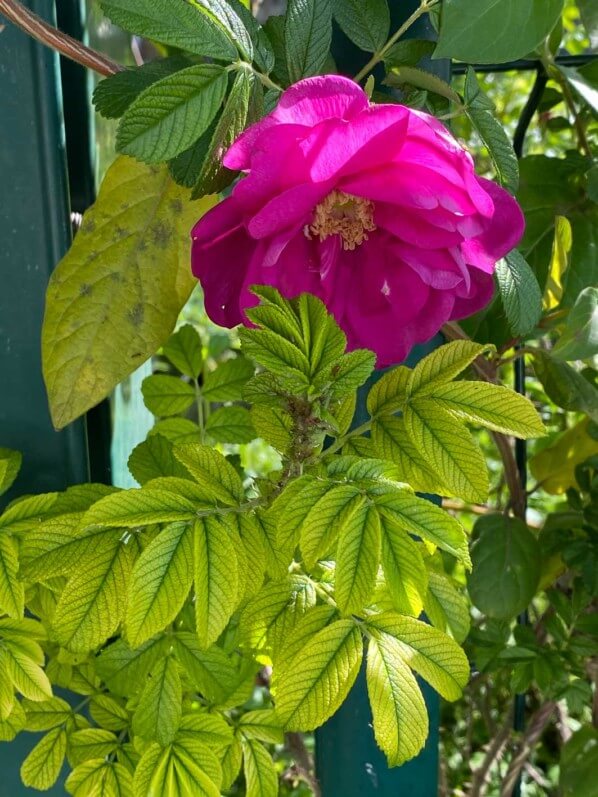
[391, 442]
[400, 75]
[209, 729]
[449, 448]
[579, 760]
[446, 608]
[166, 395]
[444, 364]
[171, 772]
[365, 22]
[10, 464]
[91, 743]
[186, 167]
[43, 715]
[565, 386]
[506, 566]
[153, 459]
[123, 669]
[389, 394]
[113, 95]
[494, 30]
[579, 340]
[352, 371]
[226, 382]
[134, 242]
[42, 766]
[358, 558]
[183, 349]
[431, 653]
[168, 116]
[13, 724]
[12, 593]
[430, 522]
[398, 708]
[582, 87]
[101, 778]
[91, 605]
[260, 773]
[177, 430]
[320, 528]
[276, 354]
[216, 577]
[132, 508]
[519, 292]
[499, 146]
[274, 425]
[159, 710]
[7, 694]
[109, 713]
[161, 581]
[492, 406]
[210, 670]
[213, 175]
[231, 764]
[27, 676]
[212, 472]
[262, 725]
[315, 683]
[179, 24]
[231, 425]
[589, 16]
[405, 573]
[559, 262]
[308, 33]
[408, 52]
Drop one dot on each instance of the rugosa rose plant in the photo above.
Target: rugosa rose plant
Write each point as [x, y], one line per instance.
[374, 208]
[208, 617]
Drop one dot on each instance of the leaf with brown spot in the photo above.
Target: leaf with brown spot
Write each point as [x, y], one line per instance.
[114, 298]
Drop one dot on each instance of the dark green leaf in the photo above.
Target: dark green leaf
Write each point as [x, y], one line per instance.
[168, 116]
[579, 341]
[520, 293]
[174, 22]
[499, 146]
[506, 566]
[494, 30]
[566, 386]
[408, 52]
[308, 32]
[366, 22]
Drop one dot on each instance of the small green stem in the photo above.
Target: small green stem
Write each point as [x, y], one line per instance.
[359, 430]
[200, 410]
[261, 76]
[425, 6]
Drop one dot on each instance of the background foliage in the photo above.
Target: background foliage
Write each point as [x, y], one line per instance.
[247, 540]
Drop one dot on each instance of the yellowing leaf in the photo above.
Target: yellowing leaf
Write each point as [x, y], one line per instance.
[446, 608]
[42, 766]
[398, 708]
[315, 683]
[444, 364]
[554, 466]
[449, 448]
[7, 693]
[114, 298]
[405, 573]
[260, 774]
[159, 710]
[492, 406]
[434, 655]
[100, 778]
[320, 527]
[90, 743]
[131, 508]
[43, 715]
[161, 581]
[358, 558]
[12, 595]
[216, 577]
[421, 517]
[171, 772]
[559, 262]
[27, 676]
[91, 605]
[212, 472]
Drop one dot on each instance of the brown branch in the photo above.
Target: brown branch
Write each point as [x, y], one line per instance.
[535, 729]
[493, 754]
[303, 761]
[47, 34]
[487, 372]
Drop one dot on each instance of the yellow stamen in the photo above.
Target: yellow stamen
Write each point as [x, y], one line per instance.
[351, 217]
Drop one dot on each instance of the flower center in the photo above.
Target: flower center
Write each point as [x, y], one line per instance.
[351, 217]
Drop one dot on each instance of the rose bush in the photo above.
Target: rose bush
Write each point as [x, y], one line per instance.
[375, 209]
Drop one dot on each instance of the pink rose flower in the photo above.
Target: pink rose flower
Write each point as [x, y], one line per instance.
[375, 209]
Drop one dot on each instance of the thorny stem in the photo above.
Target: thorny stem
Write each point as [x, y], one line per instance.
[47, 34]
[424, 7]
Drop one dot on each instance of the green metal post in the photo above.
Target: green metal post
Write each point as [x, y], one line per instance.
[35, 232]
[348, 761]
